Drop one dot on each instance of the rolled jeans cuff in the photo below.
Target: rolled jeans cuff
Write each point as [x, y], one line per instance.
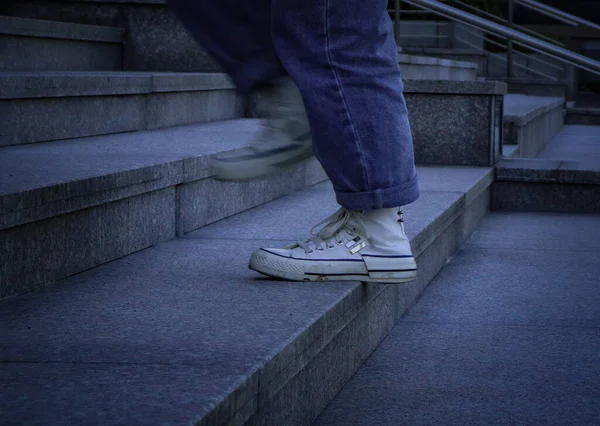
[395, 196]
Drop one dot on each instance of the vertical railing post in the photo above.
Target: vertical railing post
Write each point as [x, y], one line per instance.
[509, 61]
[397, 21]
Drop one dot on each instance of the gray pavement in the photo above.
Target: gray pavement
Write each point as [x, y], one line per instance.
[508, 333]
[579, 143]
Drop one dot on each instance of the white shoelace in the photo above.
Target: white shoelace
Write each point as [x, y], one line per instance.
[339, 228]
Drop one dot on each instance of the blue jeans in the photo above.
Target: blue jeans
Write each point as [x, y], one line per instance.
[343, 58]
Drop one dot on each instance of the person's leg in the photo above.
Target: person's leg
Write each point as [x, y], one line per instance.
[239, 36]
[343, 57]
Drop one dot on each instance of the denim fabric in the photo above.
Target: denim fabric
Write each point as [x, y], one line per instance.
[343, 57]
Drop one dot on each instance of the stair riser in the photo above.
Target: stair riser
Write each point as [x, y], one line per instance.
[117, 223]
[584, 119]
[47, 119]
[547, 185]
[538, 89]
[36, 53]
[546, 197]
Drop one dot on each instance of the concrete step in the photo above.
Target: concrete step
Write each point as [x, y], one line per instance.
[71, 205]
[532, 121]
[47, 106]
[183, 333]
[585, 116]
[35, 44]
[565, 177]
[426, 68]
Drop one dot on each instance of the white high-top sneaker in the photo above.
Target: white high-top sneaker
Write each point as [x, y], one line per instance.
[284, 138]
[352, 246]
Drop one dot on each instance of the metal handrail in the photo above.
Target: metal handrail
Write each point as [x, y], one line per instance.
[530, 57]
[525, 40]
[505, 21]
[495, 43]
[503, 59]
[557, 13]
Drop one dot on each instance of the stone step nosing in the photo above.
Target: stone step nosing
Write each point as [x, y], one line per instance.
[27, 27]
[525, 117]
[15, 85]
[31, 84]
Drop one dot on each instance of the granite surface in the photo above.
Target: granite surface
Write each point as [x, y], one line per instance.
[25, 27]
[571, 157]
[548, 171]
[577, 143]
[147, 24]
[474, 350]
[202, 202]
[39, 253]
[120, 328]
[32, 53]
[451, 129]
[132, 106]
[531, 122]
[63, 173]
[61, 118]
[522, 109]
[46, 188]
[544, 197]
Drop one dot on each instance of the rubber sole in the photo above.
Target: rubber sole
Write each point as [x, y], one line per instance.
[292, 270]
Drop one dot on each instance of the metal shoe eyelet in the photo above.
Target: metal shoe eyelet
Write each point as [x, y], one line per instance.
[309, 252]
[339, 242]
[320, 248]
[330, 246]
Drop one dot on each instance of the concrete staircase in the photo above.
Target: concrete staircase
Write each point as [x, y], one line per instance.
[123, 271]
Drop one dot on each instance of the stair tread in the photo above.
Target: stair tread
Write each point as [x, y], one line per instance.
[40, 173]
[13, 25]
[186, 316]
[524, 108]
